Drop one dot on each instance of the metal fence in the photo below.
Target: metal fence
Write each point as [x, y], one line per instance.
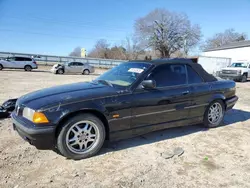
[51, 60]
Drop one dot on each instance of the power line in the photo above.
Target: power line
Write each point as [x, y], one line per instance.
[60, 22]
[54, 35]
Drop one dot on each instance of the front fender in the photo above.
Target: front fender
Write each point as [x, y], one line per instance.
[59, 112]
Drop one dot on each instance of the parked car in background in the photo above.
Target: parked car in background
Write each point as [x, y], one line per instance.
[73, 67]
[17, 62]
[131, 99]
[238, 71]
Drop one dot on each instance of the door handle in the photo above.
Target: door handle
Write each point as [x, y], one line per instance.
[185, 92]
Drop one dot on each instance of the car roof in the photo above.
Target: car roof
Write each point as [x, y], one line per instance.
[22, 57]
[197, 67]
[166, 60]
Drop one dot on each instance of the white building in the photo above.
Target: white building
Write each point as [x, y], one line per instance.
[239, 51]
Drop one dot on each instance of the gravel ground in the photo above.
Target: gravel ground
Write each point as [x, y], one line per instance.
[217, 157]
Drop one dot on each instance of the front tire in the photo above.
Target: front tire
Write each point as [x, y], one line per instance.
[60, 71]
[244, 78]
[27, 68]
[82, 136]
[1, 67]
[214, 114]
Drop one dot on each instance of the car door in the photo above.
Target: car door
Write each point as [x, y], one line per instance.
[201, 93]
[10, 62]
[248, 69]
[18, 62]
[72, 67]
[166, 104]
[80, 67]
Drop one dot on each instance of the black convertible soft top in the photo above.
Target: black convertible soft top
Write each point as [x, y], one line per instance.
[197, 67]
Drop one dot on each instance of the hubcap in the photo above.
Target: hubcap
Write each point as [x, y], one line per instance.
[81, 136]
[215, 113]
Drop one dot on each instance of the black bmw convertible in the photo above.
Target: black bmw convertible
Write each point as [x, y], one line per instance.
[131, 99]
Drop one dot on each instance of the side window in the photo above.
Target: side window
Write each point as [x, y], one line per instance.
[19, 59]
[193, 77]
[11, 59]
[169, 75]
[72, 64]
[79, 64]
[27, 59]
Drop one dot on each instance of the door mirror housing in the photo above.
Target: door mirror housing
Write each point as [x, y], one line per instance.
[148, 84]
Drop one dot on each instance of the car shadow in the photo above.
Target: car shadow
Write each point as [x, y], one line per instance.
[231, 117]
[21, 70]
[77, 74]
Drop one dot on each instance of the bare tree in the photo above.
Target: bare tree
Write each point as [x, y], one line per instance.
[100, 49]
[226, 37]
[76, 52]
[133, 48]
[167, 32]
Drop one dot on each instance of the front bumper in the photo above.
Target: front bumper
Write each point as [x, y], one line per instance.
[53, 70]
[230, 76]
[40, 137]
[231, 102]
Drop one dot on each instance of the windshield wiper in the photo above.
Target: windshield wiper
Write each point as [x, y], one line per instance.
[105, 82]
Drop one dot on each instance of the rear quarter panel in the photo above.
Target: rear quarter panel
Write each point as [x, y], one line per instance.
[204, 94]
[223, 89]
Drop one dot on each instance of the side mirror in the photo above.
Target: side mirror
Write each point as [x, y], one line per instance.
[148, 84]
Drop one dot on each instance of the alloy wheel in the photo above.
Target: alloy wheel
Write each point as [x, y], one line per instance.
[81, 136]
[215, 113]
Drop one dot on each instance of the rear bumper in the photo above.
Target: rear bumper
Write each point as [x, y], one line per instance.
[92, 70]
[231, 102]
[40, 137]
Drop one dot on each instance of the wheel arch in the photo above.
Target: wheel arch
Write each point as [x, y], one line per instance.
[245, 73]
[217, 97]
[85, 70]
[94, 112]
[27, 65]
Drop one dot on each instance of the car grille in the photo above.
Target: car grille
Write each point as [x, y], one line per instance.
[18, 110]
[229, 71]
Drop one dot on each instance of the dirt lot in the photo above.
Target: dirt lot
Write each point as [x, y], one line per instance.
[217, 157]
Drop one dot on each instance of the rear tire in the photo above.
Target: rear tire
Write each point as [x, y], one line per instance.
[60, 71]
[1, 67]
[244, 78]
[86, 72]
[27, 68]
[214, 114]
[82, 136]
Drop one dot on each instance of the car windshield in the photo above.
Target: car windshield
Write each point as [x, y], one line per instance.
[124, 74]
[244, 65]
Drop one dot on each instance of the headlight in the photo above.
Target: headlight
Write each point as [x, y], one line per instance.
[36, 117]
[239, 71]
[28, 113]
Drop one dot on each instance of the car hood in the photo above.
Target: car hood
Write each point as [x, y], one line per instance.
[64, 94]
